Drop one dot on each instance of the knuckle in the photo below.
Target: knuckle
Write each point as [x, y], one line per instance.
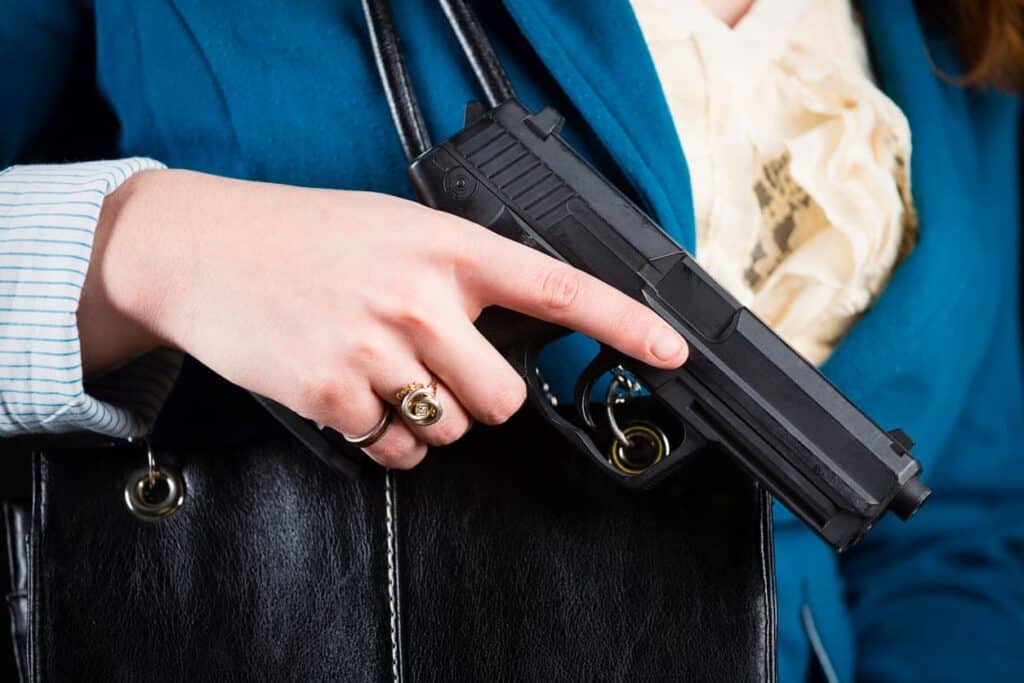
[411, 458]
[325, 397]
[450, 237]
[416, 321]
[363, 352]
[397, 454]
[419, 321]
[560, 288]
[464, 248]
[447, 432]
[503, 404]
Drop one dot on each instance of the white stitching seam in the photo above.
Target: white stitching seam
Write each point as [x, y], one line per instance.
[392, 588]
[764, 577]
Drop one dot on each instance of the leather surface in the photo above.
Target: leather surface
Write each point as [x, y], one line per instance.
[512, 560]
[16, 526]
[536, 566]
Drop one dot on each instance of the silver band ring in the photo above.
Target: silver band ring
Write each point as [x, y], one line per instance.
[419, 404]
[374, 435]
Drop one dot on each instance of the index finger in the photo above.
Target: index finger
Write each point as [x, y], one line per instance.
[508, 274]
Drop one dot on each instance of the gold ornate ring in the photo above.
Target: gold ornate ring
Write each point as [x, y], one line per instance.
[419, 404]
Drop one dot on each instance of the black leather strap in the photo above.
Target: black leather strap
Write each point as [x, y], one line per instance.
[478, 49]
[387, 53]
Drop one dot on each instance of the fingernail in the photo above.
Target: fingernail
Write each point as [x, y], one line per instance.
[666, 344]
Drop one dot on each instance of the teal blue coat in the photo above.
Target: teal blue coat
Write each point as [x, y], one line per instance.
[251, 89]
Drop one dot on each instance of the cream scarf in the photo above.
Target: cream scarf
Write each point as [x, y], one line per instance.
[799, 163]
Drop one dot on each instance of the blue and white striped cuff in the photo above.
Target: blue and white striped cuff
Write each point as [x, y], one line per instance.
[48, 216]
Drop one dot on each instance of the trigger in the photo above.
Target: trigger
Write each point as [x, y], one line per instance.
[606, 360]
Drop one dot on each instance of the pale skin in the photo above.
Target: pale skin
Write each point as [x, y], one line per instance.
[729, 11]
[330, 301]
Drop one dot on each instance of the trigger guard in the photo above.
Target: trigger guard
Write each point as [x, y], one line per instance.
[581, 437]
[523, 358]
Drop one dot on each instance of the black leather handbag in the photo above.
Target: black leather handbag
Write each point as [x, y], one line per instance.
[503, 557]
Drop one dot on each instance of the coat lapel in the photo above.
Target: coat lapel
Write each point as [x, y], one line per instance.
[600, 60]
[911, 356]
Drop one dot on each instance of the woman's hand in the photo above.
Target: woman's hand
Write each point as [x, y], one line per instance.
[330, 301]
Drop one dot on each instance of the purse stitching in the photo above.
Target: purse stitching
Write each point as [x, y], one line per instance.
[767, 542]
[392, 572]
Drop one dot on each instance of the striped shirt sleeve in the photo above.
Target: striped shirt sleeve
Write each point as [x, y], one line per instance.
[48, 216]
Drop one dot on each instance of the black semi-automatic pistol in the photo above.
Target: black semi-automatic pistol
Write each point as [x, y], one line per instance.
[742, 390]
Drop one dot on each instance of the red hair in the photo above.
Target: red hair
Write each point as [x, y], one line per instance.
[989, 35]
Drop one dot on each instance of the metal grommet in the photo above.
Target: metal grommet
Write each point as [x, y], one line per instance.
[638, 436]
[154, 492]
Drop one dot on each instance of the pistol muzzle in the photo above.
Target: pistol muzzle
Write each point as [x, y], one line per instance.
[910, 497]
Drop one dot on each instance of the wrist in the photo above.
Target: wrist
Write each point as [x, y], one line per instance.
[126, 285]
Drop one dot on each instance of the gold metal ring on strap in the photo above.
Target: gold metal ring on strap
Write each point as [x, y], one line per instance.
[374, 435]
[419, 404]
